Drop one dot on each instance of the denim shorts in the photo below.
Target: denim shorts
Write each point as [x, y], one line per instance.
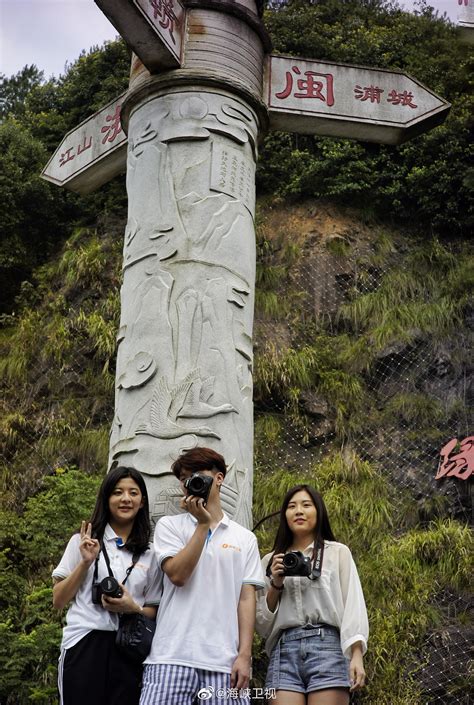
[306, 659]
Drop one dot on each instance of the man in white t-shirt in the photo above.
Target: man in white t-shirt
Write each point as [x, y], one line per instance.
[203, 640]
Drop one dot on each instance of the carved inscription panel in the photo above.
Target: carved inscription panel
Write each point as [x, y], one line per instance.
[233, 174]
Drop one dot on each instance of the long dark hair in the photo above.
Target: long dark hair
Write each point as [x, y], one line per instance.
[323, 531]
[139, 538]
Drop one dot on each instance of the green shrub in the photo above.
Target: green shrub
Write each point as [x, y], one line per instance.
[30, 546]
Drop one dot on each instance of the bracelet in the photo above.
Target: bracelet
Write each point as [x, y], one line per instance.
[276, 587]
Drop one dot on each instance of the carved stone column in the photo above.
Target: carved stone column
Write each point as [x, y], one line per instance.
[184, 364]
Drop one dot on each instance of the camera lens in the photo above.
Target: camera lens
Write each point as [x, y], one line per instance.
[290, 561]
[197, 484]
[111, 587]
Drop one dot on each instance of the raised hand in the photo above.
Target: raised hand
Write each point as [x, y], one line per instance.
[88, 546]
[195, 506]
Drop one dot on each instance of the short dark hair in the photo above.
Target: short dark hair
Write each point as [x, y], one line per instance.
[138, 541]
[198, 459]
[323, 531]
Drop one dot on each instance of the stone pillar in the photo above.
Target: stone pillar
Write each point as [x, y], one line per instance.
[184, 363]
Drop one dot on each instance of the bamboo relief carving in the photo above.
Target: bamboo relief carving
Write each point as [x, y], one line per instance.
[185, 341]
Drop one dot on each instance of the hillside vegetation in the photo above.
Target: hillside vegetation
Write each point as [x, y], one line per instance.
[363, 347]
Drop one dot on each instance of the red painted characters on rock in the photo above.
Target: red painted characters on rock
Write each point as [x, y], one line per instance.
[457, 459]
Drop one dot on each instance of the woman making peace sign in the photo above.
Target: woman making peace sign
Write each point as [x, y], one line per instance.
[91, 669]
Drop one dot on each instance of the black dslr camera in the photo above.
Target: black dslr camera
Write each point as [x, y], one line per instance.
[295, 563]
[109, 587]
[199, 485]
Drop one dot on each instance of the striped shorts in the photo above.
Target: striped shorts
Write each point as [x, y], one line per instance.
[170, 684]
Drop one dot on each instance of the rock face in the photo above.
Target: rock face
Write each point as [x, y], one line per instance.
[373, 358]
[446, 656]
[354, 283]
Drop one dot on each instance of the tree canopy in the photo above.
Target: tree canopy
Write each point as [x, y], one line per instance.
[35, 216]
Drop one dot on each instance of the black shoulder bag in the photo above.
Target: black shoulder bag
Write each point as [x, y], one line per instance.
[135, 633]
[135, 636]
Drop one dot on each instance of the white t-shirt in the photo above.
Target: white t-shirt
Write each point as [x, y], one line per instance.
[144, 584]
[197, 624]
[335, 598]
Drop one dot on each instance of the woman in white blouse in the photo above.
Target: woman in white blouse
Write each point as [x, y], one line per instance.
[314, 621]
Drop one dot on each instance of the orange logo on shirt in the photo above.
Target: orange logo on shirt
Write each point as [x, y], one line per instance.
[229, 545]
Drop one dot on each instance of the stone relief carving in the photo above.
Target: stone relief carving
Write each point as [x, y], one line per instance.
[185, 341]
[138, 371]
[165, 406]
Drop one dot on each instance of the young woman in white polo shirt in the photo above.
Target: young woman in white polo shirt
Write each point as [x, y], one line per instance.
[91, 669]
[315, 625]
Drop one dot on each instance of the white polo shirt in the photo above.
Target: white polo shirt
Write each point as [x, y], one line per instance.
[83, 616]
[197, 624]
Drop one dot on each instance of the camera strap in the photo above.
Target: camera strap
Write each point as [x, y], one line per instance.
[135, 558]
[318, 555]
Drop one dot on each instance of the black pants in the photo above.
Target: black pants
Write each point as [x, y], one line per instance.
[94, 672]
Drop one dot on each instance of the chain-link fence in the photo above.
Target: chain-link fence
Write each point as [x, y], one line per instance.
[391, 384]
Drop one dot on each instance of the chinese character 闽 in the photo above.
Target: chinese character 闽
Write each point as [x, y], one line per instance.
[371, 93]
[309, 87]
[112, 130]
[403, 98]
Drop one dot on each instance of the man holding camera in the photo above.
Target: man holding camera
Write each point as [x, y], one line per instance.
[203, 639]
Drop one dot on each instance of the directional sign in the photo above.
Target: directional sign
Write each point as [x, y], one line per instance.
[153, 28]
[92, 153]
[466, 20]
[338, 100]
